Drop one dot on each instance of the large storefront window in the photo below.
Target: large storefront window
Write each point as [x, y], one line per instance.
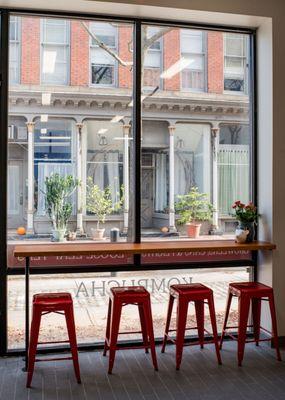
[71, 108]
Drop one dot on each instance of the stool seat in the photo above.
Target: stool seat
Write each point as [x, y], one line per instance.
[190, 289]
[52, 298]
[184, 294]
[255, 289]
[129, 292]
[250, 293]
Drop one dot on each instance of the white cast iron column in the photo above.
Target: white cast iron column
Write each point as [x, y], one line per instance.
[126, 132]
[30, 211]
[215, 133]
[79, 223]
[172, 227]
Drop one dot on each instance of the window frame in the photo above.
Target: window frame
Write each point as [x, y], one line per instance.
[4, 38]
[116, 64]
[19, 53]
[246, 68]
[204, 59]
[62, 45]
[161, 64]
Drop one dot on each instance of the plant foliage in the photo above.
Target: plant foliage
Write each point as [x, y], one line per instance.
[99, 201]
[193, 206]
[245, 213]
[58, 192]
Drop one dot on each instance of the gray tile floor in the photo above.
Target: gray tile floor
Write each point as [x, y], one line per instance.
[261, 377]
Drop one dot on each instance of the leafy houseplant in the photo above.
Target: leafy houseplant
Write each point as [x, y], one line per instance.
[193, 208]
[247, 217]
[59, 208]
[99, 202]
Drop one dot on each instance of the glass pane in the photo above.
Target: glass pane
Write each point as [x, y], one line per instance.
[75, 134]
[55, 31]
[191, 41]
[185, 105]
[106, 33]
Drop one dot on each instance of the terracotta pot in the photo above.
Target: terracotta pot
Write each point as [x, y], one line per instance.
[97, 234]
[193, 230]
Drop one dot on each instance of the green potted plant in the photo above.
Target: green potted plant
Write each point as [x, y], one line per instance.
[247, 217]
[193, 208]
[57, 199]
[99, 202]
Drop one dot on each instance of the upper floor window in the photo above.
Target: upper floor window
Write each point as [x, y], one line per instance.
[152, 60]
[193, 52]
[103, 64]
[55, 51]
[235, 62]
[14, 50]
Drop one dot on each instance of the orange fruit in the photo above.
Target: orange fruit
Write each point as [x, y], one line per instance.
[21, 230]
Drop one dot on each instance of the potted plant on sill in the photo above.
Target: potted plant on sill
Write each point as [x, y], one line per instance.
[99, 202]
[57, 195]
[193, 208]
[247, 217]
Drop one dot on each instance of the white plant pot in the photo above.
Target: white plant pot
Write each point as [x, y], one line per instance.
[58, 235]
[97, 234]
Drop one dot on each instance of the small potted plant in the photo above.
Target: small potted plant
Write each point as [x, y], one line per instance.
[99, 202]
[193, 208]
[247, 217]
[57, 199]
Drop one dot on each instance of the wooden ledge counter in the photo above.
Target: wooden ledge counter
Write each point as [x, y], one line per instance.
[73, 249]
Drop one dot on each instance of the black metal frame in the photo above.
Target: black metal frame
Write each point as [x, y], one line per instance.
[136, 170]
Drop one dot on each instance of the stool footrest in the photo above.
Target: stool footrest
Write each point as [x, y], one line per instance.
[52, 359]
[206, 341]
[55, 342]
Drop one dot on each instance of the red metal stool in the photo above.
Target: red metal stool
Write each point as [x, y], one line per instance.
[200, 295]
[45, 303]
[254, 292]
[120, 297]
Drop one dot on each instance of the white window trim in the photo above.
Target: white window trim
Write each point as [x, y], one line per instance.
[204, 55]
[19, 53]
[67, 45]
[235, 92]
[116, 65]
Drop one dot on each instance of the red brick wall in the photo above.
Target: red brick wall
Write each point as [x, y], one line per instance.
[79, 55]
[171, 55]
[30, 52]
[124, 38]
[215, 62]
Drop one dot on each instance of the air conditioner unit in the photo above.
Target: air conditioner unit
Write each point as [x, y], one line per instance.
[11, 132]
[22, 133]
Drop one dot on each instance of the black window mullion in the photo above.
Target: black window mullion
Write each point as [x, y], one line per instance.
[4, 44]
[136, 170]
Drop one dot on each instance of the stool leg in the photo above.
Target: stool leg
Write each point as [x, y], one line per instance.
[143, 327]
[149, 324]
[69, 317]
[34, 336]
[116, 311]
[214, 326]
[274, 326]
[107, 337]
[169, 312]
[200, 315]
[244, 303]
[229, 301]
[256, 312]
[182, 309]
